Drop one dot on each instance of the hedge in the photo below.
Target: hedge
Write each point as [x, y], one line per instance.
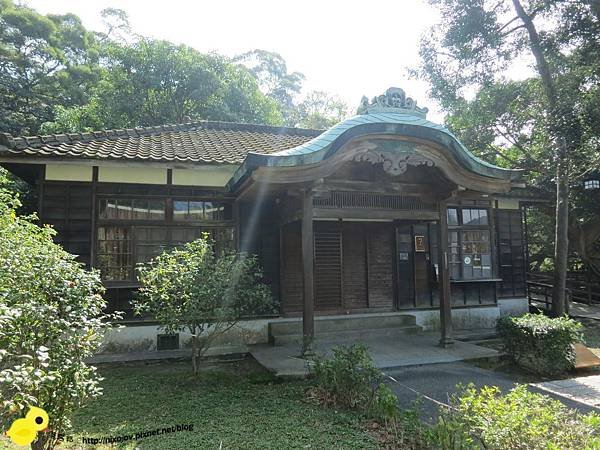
[541, 344]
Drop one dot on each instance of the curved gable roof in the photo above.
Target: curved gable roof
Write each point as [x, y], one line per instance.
[391, 123]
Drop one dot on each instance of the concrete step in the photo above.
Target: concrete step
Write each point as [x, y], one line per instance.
[332, 324]
[348, 337]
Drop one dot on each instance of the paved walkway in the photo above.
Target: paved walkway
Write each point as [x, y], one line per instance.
[433, 384]
[583, 389]
[407, 350]
[583, 310]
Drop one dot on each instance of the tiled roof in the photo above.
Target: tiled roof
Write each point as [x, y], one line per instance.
[198, 142]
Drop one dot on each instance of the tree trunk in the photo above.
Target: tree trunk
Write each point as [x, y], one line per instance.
[194, 351]
[561, 236]
[557, 131]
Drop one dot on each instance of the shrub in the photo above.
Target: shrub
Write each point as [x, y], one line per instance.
[517, 420]
[539, 343]
[51, 319]
[191, 288]
[350, 380]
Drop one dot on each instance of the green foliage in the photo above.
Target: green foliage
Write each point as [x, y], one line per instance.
[517, 420]
[45, 61]
[319, 110]
[192, 288]
[468, 59]
[227, 407]
[349, 379]
[18, 188]
[539, 343]
[271, 73]
[152, 82]
[51, 319]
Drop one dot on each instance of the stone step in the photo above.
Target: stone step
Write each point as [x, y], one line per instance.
[348, 337]
[327, 324]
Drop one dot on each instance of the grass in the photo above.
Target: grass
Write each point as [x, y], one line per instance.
[233, 405]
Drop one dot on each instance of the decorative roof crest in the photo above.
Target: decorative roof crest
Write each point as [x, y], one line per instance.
[393, 101]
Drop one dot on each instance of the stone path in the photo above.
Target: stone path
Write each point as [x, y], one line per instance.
[583, 389]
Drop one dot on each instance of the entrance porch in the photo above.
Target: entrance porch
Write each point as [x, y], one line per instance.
[383, 212]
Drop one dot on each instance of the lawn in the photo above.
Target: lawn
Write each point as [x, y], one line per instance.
[234, 404]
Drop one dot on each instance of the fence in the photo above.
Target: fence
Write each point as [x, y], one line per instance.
[581, 288]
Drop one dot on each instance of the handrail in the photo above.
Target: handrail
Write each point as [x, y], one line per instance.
[582, 288]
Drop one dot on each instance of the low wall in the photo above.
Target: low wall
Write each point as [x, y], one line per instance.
[479, 317]
[140, 338]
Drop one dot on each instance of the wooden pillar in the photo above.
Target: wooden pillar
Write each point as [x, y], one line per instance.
[308, 316]
[444, 278]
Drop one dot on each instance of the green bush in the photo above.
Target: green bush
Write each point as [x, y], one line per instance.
[539, 343]
[350, 380]
[517, 420]
[195, 289]
[51, 320]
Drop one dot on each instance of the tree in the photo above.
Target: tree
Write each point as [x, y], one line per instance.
[45, 61]
[51, 320]
[152, 83]
[270, 70]
[192, 288]
[476, 43]
[320, 110]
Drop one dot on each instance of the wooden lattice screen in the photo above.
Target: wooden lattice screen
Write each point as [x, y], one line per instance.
[349, 200]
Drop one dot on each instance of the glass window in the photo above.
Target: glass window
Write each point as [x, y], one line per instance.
[149, 242]
[469, 243]
[476, 256]
[190, 211]
[131, 209]
[123, 245]
[115, 258]
[452, 216]
[474, 217]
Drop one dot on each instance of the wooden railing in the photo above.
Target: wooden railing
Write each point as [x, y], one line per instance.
[581, 288]
[539, 295]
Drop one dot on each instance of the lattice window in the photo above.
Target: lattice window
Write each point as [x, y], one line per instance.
[370, 200]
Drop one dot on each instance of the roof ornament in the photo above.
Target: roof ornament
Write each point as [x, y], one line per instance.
[393, 101]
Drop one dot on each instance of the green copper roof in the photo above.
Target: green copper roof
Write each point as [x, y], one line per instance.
[392, 123]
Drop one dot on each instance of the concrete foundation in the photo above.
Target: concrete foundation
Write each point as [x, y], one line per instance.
[142, 338]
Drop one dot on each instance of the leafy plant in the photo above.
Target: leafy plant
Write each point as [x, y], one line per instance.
[517, 420]
[539, 343]
[51, 319]
[192, 288]
[350, 379]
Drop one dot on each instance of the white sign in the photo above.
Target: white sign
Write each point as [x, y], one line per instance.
[467, 260]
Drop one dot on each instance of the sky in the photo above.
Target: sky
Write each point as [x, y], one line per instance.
[348, 48]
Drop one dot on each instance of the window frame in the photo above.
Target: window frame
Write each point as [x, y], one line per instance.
[168, 224]
[460, 228]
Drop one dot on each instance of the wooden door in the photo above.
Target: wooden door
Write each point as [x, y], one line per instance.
[328, 266]
[354, 266]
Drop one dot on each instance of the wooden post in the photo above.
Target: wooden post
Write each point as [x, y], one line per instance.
[308, 319]
[444, 278]
[94, 214]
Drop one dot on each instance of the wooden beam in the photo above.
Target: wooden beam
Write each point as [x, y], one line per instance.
[308, 316]
[444, 278]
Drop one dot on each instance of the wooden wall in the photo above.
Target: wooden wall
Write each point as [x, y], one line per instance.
[68, 208]
[353, 266]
